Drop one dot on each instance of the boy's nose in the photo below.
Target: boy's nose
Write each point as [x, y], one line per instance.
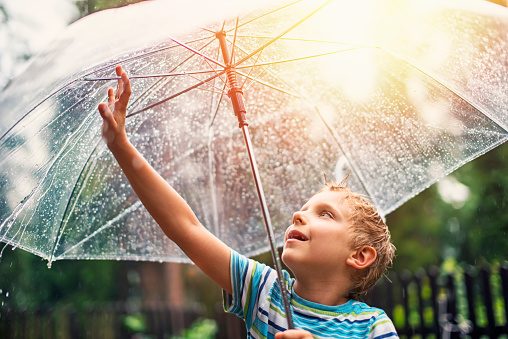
[298, 218]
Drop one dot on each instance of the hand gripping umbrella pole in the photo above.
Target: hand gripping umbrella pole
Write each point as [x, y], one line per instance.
[236, 95]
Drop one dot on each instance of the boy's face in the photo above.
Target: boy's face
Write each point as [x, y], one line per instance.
[319, 236]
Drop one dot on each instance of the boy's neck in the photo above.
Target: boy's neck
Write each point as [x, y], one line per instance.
[325, 292]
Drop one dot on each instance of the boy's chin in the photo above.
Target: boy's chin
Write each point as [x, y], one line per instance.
[283, 257]
[286, 258]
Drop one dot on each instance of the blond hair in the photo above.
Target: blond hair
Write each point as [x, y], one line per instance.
[368, 229]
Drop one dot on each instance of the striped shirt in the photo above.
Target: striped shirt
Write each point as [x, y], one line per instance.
[256, 298]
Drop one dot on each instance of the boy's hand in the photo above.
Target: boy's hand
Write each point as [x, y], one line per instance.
[294, 334]
[113, 113]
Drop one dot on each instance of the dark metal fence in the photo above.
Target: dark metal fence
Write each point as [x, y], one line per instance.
[111, 322]
[470, 303]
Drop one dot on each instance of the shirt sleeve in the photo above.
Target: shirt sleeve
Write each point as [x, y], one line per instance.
[246, 278]
[382, 328]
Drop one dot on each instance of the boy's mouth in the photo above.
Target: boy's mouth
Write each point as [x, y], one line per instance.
[296, 236]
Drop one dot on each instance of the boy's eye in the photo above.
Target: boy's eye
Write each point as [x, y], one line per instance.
[326, 214]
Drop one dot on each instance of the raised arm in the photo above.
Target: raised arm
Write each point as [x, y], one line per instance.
[169, 210]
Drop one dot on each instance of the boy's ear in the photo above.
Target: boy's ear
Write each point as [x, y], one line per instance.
[362, 257]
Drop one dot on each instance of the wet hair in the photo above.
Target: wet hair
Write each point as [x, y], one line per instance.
[368, 229]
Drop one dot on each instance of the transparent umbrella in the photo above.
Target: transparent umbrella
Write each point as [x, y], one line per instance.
[397, 93]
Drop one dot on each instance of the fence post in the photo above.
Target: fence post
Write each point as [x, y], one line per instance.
[120, 311]
[404, 279]
[39, 318]
[151, 321]
[450, 315]
[388, 285]
[503, 272]
[487, 300]
[74, 325]
[418, 279]
[382, 295]
[9, 323]
[433, 274]
[23, 324]
[470, 295]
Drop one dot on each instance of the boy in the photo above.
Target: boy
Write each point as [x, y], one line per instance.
[337, 248]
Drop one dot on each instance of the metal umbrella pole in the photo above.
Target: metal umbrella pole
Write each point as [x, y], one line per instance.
[236, 95]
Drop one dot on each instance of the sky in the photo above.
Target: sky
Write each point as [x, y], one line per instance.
[26, 26]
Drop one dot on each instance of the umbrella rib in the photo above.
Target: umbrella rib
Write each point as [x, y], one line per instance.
[248, 76]
[130, 209]
[211, 177]
[233, 57]
[298, 59]
[206, 29]
[252, 81]
[176, 94]
[268, 85]
[220, 98]
[63, 222]
[209, 84]
[160, 82]
[145, 54]
[198, 53]
[147, 76]
[282, 33]
[339, 145]
[303, 40]
[250, 70]
[218, 106]
[215, 71]
[214, 89]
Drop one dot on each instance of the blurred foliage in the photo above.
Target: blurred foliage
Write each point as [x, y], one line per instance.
[200, 329]
[426, 230]
[90, 6]
[26, 281]
[135, 323]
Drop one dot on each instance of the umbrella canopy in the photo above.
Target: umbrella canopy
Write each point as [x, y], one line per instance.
[397, 93]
